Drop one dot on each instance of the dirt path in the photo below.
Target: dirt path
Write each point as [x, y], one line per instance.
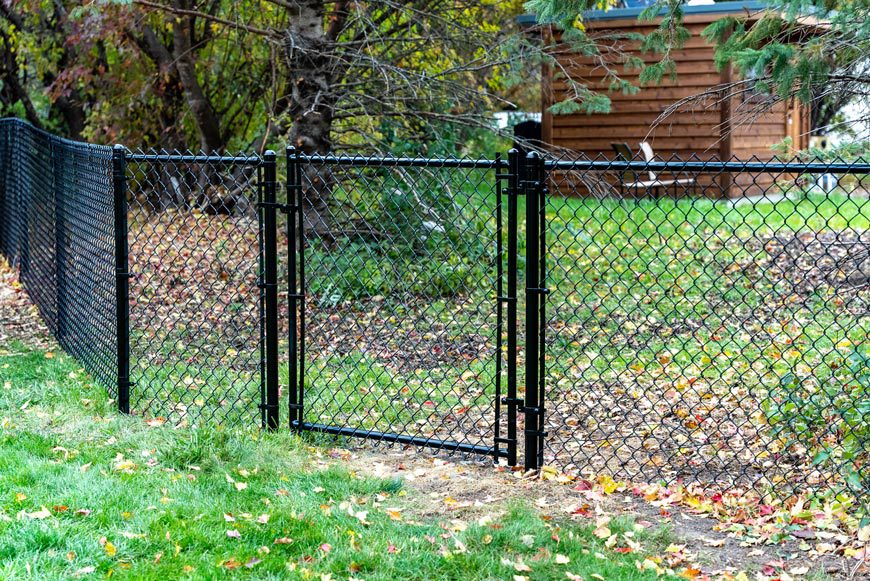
[466, 489]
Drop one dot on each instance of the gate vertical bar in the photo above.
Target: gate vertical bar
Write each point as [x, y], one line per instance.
[293, 293]
[503, 300]
[122, 276]
[261, 295]
[270, 282]
[511, 299]
[300, 241]
[499, 309]
[540, 195]
[533, 295]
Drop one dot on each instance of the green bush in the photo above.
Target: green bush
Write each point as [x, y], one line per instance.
[830, 416]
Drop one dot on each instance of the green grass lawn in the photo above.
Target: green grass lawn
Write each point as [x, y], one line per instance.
[85, 491]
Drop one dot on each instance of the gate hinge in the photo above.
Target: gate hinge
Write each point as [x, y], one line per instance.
[539, 291]
[294, 406]
[283, 208]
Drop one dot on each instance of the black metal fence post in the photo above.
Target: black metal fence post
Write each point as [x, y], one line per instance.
[530, 184]
[122, 276]
[270, 282]
[540, 196]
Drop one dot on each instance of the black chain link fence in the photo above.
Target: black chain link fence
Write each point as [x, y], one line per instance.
[654, 321]
[57, 226]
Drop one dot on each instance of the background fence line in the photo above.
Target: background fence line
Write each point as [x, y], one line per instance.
[668, 331]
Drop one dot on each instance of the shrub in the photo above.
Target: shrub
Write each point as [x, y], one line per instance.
[830, 416]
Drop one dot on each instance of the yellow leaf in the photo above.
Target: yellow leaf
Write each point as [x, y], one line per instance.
[20, 497]
[110, 549]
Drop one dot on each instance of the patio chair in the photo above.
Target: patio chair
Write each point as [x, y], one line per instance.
[632, 182]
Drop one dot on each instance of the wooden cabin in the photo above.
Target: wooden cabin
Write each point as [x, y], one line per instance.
[707, 128]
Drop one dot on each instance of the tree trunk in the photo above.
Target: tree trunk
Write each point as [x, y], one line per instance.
[313, 69]
[204, 116]
[309, 62]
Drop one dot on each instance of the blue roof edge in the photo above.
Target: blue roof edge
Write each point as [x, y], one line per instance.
[621, 13]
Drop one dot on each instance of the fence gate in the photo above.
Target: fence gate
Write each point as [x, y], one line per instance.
[401, 322]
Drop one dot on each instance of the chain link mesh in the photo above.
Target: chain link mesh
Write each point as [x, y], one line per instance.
[195, 318]
[56, 200]
[709, 324]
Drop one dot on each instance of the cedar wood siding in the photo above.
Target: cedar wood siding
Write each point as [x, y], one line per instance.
[694, 131]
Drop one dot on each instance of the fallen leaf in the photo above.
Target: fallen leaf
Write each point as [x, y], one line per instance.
[234, 534]
[602, 532]
[38, 515]
[110, 549]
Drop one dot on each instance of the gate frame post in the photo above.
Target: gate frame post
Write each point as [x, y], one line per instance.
[515, 161]
[295, 294]
[122, 276]
[531, 183]
[270, 286]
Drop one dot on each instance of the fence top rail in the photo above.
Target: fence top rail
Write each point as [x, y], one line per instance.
[734, 166]
[389, 161]
[139, 157]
